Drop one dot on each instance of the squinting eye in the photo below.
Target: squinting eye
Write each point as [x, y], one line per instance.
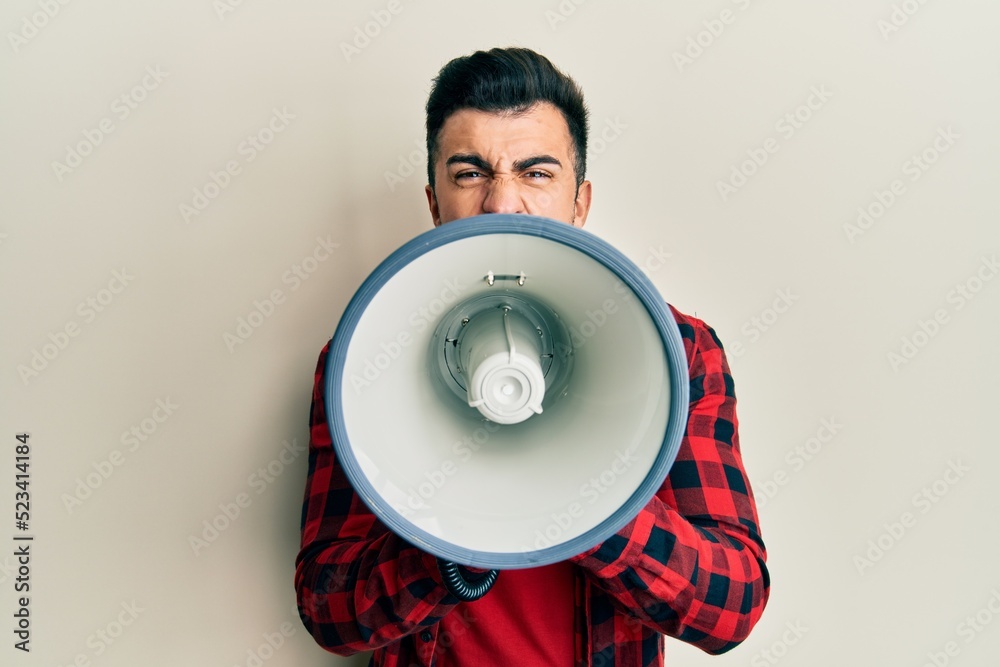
[468, 175]
[535, 175]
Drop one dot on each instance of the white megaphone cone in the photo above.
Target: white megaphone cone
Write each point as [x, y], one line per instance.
[506, 391]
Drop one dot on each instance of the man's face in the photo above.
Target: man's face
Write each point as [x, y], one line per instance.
[503, 163]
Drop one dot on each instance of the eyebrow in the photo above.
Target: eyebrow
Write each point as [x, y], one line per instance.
[520, 165]
[530, 162]
[469, 158]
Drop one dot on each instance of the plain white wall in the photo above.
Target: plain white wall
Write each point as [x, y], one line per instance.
[885, 79]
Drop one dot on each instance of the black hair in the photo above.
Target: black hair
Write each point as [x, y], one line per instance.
[506, 81]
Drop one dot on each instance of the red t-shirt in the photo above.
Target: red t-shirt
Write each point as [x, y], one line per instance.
[525, 619]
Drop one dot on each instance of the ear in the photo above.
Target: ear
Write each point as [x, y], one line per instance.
[581, 207]
[432, 204]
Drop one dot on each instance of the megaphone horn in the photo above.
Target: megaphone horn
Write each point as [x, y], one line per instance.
[506, 391]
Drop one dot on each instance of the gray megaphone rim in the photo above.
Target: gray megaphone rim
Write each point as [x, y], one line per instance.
[575, 238]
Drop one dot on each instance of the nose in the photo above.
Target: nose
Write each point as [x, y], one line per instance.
[502, 196]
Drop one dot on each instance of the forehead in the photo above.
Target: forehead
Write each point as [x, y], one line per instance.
[540, 129]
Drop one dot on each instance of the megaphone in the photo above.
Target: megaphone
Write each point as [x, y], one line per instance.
[506, 391]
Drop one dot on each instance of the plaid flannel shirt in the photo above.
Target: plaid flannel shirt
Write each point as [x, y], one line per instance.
[690, 565]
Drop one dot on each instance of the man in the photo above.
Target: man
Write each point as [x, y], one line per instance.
[507, 133]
